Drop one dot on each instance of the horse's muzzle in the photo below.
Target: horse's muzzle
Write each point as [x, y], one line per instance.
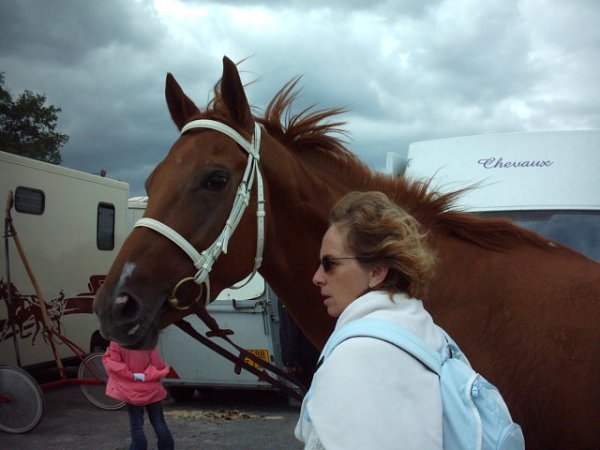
[124, 320]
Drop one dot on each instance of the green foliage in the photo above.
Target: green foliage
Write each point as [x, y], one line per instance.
[27, 126]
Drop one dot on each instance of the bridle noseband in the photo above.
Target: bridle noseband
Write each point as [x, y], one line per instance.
[204, 261]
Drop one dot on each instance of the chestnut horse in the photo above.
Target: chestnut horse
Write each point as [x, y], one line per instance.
[525, 310]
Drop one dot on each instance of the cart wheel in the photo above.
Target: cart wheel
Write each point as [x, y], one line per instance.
[93, 369]
[21, 400]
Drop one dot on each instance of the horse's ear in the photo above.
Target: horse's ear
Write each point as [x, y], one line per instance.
[234, 96]
[180, 106]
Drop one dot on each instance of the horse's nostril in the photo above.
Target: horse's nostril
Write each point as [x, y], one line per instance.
[127, 306]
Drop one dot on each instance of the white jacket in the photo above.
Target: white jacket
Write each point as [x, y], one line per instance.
[369, 394]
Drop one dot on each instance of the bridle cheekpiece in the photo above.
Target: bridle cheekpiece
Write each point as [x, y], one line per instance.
[204, 261]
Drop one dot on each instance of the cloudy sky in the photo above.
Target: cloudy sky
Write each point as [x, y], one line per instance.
[408, 70]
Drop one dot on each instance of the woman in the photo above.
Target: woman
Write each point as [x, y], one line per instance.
[369, 394]
[134, 377]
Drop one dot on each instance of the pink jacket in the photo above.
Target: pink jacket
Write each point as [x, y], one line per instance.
[121, 364]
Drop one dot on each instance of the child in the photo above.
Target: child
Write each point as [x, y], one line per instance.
[134, 377]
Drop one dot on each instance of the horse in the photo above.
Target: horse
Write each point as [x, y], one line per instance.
[524, 309]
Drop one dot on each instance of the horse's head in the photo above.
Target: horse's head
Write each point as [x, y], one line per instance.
[161, 271]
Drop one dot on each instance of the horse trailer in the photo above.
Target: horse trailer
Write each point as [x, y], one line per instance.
[260, 325]
[71, 225]
[545, 181]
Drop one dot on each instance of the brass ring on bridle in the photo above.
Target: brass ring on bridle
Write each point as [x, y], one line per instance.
[174, 301]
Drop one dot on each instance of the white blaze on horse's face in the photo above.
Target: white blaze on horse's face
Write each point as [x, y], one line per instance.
[126, 272]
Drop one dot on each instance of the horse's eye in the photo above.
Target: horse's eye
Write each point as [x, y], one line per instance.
[216, 181]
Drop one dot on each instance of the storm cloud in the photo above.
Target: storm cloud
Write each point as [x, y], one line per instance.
[405, 70]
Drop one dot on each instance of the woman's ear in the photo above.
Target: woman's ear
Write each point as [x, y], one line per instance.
[378, 274]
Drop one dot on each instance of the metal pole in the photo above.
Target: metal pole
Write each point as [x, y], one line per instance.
[9, 300]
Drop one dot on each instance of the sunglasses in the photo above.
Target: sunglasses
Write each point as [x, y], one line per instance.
[329, 262]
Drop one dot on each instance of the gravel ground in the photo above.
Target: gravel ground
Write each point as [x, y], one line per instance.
[213, 420]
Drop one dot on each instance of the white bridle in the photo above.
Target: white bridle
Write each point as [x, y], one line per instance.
[205, 260]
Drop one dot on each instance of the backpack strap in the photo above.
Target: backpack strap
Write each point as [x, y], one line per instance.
[395, 335]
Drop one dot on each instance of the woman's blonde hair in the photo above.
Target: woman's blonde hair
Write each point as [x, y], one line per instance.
[381, 232]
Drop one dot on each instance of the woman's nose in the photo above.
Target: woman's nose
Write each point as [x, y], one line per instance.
[318, 278]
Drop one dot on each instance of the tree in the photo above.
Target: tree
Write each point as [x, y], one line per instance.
[27, 126]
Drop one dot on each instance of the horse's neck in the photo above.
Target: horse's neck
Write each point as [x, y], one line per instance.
[300, 198]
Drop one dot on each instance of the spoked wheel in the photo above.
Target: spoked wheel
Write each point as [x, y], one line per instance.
[93, 369]
[21, 400]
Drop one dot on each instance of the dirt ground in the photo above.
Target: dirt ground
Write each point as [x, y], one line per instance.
[213, 420]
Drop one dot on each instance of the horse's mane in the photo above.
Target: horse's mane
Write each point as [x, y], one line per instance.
[310, 134]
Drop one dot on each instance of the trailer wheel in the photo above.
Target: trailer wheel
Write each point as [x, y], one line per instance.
[92, 369]
[181, 394]
[21, 400]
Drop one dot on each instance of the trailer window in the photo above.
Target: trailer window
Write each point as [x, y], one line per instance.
[579, 230]
[105, 233]
[29, 200]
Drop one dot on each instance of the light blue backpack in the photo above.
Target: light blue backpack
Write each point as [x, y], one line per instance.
[475, 416]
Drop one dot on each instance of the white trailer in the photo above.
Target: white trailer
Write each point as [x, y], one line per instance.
[71, 225]
[252, 312]
[546, 181]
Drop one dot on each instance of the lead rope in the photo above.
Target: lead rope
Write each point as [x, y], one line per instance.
[241, 361]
